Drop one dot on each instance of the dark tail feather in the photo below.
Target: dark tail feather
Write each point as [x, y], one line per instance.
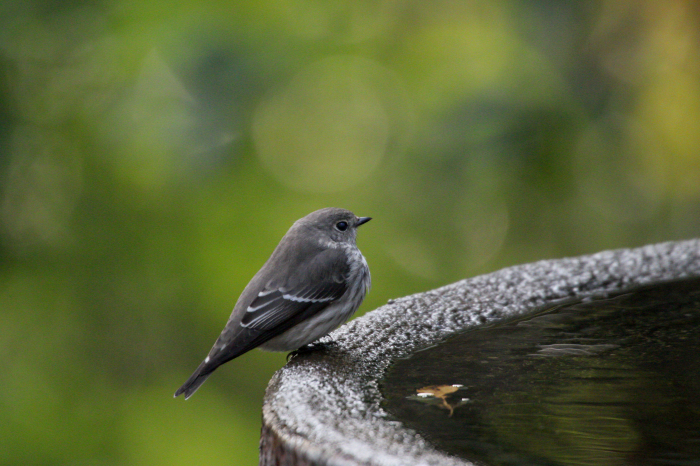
[194, 382]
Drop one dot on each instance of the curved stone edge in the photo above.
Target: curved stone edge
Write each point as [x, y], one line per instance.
[324, 408]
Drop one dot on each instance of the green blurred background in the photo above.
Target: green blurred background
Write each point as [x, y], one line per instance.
[153, 153]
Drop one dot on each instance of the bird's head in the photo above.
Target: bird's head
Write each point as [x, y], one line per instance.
[337, 225]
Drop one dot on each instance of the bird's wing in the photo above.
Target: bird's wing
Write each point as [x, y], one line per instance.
[279, 306]
[317, 283]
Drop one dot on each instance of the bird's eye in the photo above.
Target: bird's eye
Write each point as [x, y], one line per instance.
[342, 226]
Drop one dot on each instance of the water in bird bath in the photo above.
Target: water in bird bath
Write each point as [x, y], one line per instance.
[608, 381]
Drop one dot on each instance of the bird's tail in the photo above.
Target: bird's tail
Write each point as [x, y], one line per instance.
[194, 382]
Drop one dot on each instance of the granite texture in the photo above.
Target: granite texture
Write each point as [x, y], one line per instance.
[323, 408]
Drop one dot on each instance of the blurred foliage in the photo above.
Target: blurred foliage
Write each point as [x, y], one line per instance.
[153, 153]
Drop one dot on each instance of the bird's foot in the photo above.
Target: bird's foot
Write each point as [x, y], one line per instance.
[311, 348]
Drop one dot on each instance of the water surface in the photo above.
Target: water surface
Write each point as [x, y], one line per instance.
[612, 381]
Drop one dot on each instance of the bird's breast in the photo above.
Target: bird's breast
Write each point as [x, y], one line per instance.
[337, 312]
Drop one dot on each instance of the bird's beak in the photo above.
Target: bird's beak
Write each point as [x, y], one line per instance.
[363, 220]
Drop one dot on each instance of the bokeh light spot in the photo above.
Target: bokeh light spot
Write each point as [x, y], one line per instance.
[328, 129]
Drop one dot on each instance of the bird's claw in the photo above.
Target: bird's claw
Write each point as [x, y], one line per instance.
[311, 348]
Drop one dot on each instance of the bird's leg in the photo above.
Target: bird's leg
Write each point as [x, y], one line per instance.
[312, 347]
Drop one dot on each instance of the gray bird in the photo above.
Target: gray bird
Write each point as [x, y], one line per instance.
[313, 282]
